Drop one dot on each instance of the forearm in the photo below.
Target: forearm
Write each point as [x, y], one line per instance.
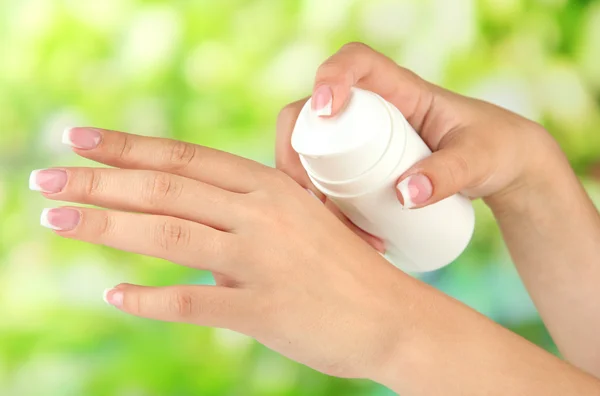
[552, 230]
[451, 350]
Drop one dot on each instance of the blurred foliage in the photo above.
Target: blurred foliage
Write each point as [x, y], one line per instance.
[216, 73]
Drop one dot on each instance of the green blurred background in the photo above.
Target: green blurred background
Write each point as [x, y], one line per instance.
[216, 73]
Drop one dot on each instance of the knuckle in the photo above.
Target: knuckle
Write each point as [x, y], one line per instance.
[105, 224]
[272, 213]
[182, 304]
[172, 235]
[161, 187]
[125, 147]
[220, 248]
[93, 182]
[341, 67]
[356, 46]
[330, 69]
[272, 309]
[458, 169]
[133, 304]
[333, 71]
[180, 154]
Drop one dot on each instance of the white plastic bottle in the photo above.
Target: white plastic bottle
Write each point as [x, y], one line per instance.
[356, 158]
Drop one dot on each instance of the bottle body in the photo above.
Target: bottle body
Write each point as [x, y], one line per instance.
[417, 240]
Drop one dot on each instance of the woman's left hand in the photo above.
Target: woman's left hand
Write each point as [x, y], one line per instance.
[289, 273]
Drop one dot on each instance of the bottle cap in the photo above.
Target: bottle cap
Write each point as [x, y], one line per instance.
[347, 145]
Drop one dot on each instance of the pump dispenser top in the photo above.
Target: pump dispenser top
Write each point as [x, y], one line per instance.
[347, 145]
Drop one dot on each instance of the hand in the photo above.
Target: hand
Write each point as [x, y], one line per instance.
[289, 273]
[480, 150]
[484, 151]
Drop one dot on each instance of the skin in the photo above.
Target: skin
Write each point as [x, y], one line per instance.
[550, 225]
[297, 279]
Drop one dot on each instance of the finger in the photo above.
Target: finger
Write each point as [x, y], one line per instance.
[445, 173]
[141, 191]
[286, 158]
[375, 242]
[179, 241]
[122, 150]
[210, 306]
[357, 64]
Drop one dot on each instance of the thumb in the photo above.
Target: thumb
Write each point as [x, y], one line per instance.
[443, 174]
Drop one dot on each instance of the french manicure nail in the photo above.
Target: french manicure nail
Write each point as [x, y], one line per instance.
[82, 138]
[60, 219]
[415, 190]
[323, 101]
[113, 297]
[48, 180]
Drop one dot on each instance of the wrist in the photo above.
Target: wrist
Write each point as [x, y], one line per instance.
[434, 329]
[416, 329]
[400, 333]
[545, 170]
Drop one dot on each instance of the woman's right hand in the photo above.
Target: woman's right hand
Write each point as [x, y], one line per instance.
[480, 150]
[549, 224]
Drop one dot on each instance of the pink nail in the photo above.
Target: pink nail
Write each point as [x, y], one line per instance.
[415, 190]
[82, 138]
[60, 219]
[322, 101]
[113, 297]
[48, 180]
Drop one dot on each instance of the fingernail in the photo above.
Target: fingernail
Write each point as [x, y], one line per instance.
[60, 219]
[82, 138]
[415, 190]
[113, 297]
[47, 180]
[322, 101]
